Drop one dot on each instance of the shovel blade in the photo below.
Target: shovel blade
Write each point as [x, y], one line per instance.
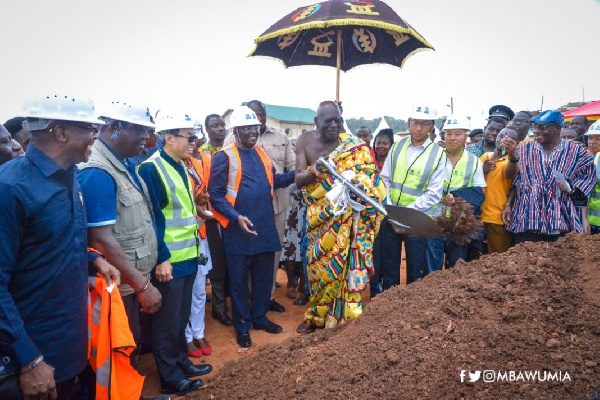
[409, 221]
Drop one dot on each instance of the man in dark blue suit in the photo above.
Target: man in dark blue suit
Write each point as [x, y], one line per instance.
[242, 179]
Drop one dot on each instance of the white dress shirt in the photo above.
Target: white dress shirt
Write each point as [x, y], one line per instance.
[433, 193]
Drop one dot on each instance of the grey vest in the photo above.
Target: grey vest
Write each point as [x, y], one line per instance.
[134, 230]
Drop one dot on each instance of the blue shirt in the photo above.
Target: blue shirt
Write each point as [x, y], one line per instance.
[253, 201]
[158, 194]
[43, 265]
[100, 197]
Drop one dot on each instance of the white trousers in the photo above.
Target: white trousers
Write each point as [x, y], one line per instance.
[195, 327]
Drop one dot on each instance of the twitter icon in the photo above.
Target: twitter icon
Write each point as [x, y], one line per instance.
[473, 377]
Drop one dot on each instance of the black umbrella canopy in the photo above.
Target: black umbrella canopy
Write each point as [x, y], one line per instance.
[370, 32]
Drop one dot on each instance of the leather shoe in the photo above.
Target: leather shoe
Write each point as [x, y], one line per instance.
[302, 300]
[269, 327]
[163, 397]
[224, 319]
[275, 306]
[182, 387]
[243, 339]
[197, 370]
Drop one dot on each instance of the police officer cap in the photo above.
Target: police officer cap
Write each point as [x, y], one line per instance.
[549, 117]
[502, 112]
[476, 132]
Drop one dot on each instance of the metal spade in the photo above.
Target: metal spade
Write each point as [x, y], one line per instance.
[404, 220]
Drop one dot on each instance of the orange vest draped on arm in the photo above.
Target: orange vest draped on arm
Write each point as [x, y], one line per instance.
[111, 344]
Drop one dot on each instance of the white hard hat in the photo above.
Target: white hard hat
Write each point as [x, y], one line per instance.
[243, 116]
[41, 111]
[178, 121]
[457, 122]
[423, 111]
[127, 113]
[594, 129]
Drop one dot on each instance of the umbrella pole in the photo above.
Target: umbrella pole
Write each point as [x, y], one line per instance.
[339, 62]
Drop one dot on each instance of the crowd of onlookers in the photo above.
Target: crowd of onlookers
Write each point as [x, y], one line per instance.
[166, 207]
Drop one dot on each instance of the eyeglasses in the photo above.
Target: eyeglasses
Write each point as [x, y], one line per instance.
[86, 127]
[423, 124]
[520, 121]
[249, 128]
[543, 127]
[190, 139]
[137, 130]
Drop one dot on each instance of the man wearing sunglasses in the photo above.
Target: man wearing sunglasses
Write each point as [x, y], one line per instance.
[119, 215]
[553, 177]
[170, 188]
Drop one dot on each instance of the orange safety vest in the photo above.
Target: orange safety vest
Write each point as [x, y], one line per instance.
[111, 344]
[235, 176]
[202, 168]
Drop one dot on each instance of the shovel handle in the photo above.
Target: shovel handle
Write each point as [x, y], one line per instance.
[331, 171]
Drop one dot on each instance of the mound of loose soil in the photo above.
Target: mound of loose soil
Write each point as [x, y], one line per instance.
[536, 308]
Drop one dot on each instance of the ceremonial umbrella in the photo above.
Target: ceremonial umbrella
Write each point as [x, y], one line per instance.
[341, 34]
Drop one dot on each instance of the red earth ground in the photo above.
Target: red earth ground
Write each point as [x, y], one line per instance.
[534, 308]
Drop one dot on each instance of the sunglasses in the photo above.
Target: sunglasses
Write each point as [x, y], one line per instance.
[543, 127]
[190, 139]
[86, 127]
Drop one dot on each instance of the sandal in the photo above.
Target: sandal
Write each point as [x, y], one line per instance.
[306, 327]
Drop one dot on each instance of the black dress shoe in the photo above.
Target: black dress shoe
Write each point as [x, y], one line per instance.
[269, 327]
[197, 370]
[182, 387]
[163, 397]
[243, 339]
[275, 306]
[302, 300]
[224, 319]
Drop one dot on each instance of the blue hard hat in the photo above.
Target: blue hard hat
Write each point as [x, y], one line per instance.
[549, 117]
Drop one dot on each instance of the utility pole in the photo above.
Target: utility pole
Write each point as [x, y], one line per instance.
[452, 105]
[542, 105]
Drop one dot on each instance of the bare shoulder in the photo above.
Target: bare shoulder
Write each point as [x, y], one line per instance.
[304, 138]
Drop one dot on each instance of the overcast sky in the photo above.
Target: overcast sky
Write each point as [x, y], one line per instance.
[191, 56]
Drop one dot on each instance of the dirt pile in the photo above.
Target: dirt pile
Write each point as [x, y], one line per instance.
[534, 308]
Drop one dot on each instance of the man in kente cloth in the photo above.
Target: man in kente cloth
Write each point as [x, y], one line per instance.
[340, 228]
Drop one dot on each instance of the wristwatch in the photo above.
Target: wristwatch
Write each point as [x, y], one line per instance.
[514, 160]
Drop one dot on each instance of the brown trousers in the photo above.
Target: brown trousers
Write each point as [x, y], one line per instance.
[498, 239]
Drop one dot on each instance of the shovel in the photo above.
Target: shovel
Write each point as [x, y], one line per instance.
[404, 220]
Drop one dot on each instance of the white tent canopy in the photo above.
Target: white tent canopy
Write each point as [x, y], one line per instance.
[382, 125]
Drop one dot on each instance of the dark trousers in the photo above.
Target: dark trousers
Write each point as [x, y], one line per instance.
[260, 268]
[168, 328]
[391, 256]
[422, 256]
[218, 274]
[132, 309]
[535, 237]
[377, 253]
[595, 230]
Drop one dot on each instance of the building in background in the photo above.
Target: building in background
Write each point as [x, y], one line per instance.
[290, 120]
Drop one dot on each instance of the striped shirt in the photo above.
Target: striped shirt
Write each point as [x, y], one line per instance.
[539, 204]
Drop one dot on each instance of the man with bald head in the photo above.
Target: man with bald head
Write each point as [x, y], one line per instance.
[580, 124]
[338, 269]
